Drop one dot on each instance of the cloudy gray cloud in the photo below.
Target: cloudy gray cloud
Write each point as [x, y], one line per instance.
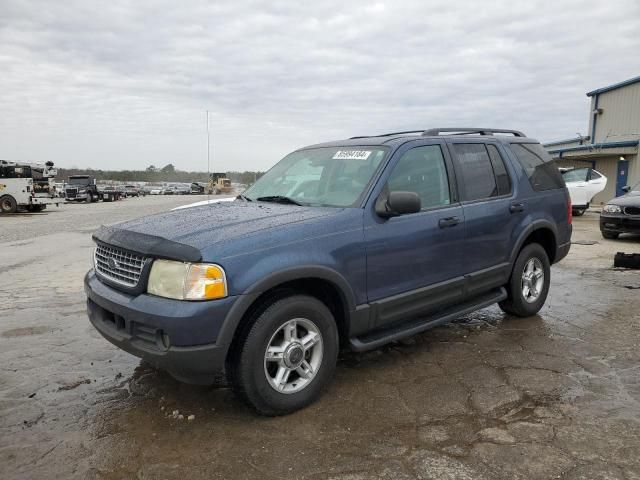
[125, 84]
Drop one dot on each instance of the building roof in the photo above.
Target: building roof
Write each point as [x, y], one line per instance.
[579, 140]
[614, 86]
[595, 147]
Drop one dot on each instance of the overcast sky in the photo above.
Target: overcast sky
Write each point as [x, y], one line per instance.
[117, 84]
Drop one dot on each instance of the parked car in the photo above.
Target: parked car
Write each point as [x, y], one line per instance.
[182, 189]
[146, 190]
[622, 214]
[156, 191]
[131, 191]
[400, 233]
[59, 189]
[583, 184]
[198, 188]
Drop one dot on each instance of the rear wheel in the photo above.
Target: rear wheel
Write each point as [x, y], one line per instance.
[578, 212]
[610, 235]
[8, 204]
[286, 357]
[528, 286]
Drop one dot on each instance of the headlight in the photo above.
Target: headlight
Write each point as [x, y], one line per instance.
[612, 209]
[187, 281]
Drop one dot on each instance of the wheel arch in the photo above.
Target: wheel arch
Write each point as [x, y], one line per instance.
[542, 232]
[322, 283]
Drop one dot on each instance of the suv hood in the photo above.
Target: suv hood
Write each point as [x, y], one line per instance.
[167, 234]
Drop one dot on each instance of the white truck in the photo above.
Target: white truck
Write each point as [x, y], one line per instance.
[27, 185]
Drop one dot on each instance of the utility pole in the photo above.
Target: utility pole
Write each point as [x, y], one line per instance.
[208, 159]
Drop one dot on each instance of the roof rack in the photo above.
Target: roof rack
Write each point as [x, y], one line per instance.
[451, 131]
[470, 131]
[387, 134]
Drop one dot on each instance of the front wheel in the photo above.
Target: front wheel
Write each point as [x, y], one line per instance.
[610, 235]
[286, 357]
[528, 286]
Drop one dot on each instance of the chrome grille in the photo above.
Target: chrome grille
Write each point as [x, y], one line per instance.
[118, 265]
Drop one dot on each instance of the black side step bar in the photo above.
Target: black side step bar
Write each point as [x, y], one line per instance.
[378, 338]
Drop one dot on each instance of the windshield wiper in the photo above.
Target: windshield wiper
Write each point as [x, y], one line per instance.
[244, 197]
[278, 199]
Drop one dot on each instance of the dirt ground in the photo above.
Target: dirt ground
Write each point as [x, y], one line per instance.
[488, 396]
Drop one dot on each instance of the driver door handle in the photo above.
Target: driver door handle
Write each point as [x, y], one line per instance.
[448, 222]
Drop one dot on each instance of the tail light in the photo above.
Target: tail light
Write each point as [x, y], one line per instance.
[570, 211]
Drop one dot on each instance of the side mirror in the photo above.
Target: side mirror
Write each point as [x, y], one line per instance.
[398, 203]
[626, 189]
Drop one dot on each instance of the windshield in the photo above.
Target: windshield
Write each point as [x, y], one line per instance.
[335, 176]
[79, 181]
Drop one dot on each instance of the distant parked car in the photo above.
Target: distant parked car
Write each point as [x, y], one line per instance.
[622, 214]
[131, 191]
[155, 191]
[59, 189]
[583, 184]
[182, 189]
[198, 188]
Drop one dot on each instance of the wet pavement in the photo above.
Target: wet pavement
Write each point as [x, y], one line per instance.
[488, 396]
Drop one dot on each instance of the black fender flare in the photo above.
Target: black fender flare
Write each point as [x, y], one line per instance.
[245, 300]
[532, 227]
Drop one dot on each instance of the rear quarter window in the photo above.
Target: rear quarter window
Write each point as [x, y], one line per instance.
[537, 164]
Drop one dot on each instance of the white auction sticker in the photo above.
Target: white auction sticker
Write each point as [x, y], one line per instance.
[352, 155]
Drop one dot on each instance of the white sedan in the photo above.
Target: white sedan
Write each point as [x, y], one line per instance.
[583, 184]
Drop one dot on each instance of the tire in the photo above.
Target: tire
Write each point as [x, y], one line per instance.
[254, 375]
[531, 256]
[579, 212]
[610, 235]
[8, 204]
[39, 208]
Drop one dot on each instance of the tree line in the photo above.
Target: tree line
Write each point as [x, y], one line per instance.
[157, 175]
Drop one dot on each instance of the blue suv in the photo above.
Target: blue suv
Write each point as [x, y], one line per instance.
[353, 243]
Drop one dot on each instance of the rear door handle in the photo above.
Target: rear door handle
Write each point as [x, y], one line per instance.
[516, 207]
[448, 222]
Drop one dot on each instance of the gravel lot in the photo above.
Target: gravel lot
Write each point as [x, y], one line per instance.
[487, 396]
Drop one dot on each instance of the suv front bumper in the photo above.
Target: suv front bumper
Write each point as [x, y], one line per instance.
[174, 335]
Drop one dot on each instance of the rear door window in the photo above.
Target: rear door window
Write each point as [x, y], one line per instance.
[476, 172]
[537, 164]
[576, 175]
